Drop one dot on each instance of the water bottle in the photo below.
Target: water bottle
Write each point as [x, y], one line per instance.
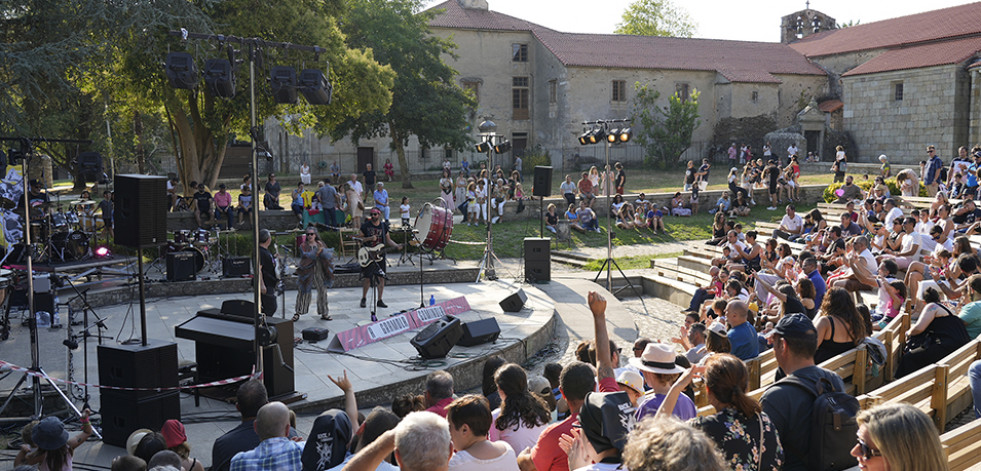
[432, 300]
[43, 319]
[55, 320]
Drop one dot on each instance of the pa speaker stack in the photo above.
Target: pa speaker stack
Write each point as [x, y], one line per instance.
[538, 259]
[543, 181]
[141, 210]
[136, 366]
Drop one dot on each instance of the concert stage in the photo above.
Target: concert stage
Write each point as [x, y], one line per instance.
[379, 371]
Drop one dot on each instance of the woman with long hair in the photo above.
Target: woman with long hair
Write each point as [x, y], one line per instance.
[522, 416]
[900, 437]
[839, 326]
[741, 430]
[313, 271]
[718, 229]
[488, 387]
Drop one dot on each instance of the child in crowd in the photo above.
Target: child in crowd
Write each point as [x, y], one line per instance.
[404, 211]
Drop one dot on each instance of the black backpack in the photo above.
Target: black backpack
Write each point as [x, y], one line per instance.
[833, 426]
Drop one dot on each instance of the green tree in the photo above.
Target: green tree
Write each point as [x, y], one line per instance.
[202, 125]
[656, 18]
[426, 102]
[665, 131]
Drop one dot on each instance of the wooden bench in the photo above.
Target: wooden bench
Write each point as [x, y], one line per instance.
[963, 446]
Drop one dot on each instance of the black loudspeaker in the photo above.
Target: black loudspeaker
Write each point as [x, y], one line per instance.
[90, 164]
[543, 181]
[181, 70]
[233, 267]
[514, 302]
[140, 210]
[238, 307]
[436, 340]
[181, 266]
[478, 332]
[538, 259]
[44, 302]
[136, 366]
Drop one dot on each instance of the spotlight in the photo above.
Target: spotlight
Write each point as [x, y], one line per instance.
[219, 77]
[283, 80]
[483, 147]
[502, 147]
[181, 71]
[613, 135]
[315, 87]
[596, 135]
[625, 134]
[102, 251]
[584, 138]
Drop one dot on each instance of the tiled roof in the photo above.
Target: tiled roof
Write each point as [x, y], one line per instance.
[738, 61]
[976, 64]
[457, 17]
[829, 106]
[940, 53]
[953, 22]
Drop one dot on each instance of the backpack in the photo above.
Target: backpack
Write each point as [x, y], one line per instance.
[833, 426]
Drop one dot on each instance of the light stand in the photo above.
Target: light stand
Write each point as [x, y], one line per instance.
[488, 130]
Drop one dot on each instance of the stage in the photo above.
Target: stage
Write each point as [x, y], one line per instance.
[379, 371]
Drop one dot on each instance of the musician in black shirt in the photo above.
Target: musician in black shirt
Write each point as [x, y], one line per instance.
[374, 233]
[267, 267]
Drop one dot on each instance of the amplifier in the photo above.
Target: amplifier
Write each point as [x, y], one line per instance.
[233, 267]
[181, 266]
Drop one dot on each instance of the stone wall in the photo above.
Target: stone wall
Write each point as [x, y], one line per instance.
[931, 112]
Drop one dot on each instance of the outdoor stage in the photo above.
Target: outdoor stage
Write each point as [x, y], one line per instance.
[379, 371]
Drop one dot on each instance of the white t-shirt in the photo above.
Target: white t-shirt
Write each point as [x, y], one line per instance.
[792, 224]
[736, 249]
[869, 261]
[909, 240]
[601, 467]
[384, 466]
[518, 437]
[463, 461]
[792, 150]
[404, 210]
[892, 215]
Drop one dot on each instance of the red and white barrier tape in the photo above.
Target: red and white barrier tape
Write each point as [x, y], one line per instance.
[253, 375]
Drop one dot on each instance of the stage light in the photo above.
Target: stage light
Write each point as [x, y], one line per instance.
[613, 135]
[219, 77]
[584, 138]
[625, 134]
[596, 135]
[483, 147]
[181, 71]
[102, 251]
[283, 81]
[315, 87]
[502, 147]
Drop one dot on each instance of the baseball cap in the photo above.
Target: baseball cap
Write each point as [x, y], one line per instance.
[606, 419]
[632, 380]
[795, 326]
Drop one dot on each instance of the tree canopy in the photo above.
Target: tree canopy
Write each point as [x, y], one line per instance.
[426, 102]
[656, 18]
[665, 131]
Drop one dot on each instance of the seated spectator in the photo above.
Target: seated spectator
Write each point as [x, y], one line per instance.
[898, 436]
[151, 444]
[839, 326]
[379, 421]
[421, 442]
[670, 445]
[971, 312]
[586, 190]
[250, 397]
[849, 191]
[605, 421]
[522, 416]
[788, 405]
[330, 437]
[488, 385]
[405, 404]
[439, 392]
[585, 219]
[126, 463]
[741, 334]
[176, 440]
[576, 381]
[54, 449]
[936, 334]
[678, 207]
[740, 428]
[276, 452]
[551, 219]
[657, 365]
[469, 420]
[632, 383]
[165, 459]
[791, 225]
[568, 190]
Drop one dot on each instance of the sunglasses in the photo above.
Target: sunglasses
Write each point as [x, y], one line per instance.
[868, 452]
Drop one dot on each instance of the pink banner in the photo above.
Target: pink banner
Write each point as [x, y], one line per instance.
[367, 334]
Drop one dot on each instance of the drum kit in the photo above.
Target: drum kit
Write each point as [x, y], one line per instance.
[202, 243]
[62, 236]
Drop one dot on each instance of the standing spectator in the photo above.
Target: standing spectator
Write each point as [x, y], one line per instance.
[689, 182]
[405, 209]
[439, 392]
[931, 178]
[885, 170]
[568, 190]
[107, 206]
[732, 154]
[267, 273]
[223, 205]
[313, 271]
[517, 166]
[841, 164]
[276, 452]
[355, 206]
[381, 200]
[788, 405]
[446, 188]
[460, 194]
[356, 185]
[54, 449]
[327, 196]
[621, 178]
[702, 175]
[767, 151]
[772, 176]
[273, 190]
[335, 172]
[305, 173]
[370, 177]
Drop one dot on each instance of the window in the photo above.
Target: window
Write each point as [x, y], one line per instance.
[519, 143]
[619, 90]
[898, 91]
[682, 90]
[519, 53]
[756, 96]
[553, 91]
[519, 97]
[473, 87]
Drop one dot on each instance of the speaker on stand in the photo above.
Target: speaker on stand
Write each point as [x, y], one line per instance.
[541, 189]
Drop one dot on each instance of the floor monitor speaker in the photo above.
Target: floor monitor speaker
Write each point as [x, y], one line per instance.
[514, 302]
[436, 340]
[479, 332]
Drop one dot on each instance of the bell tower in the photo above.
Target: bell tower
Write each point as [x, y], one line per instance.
[801, 24]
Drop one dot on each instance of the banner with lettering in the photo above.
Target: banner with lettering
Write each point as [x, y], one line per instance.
[367, 334]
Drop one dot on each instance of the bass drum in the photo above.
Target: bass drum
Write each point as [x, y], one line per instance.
[198, 254]
[437, 224]
[74, 245]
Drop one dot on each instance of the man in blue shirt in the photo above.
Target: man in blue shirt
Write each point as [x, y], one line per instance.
[742, 335]
[276, 452]
[381, 200]
[932, 178]
[810, 268]
[972, 173]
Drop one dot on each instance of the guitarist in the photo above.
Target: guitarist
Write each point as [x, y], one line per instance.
[374, 232]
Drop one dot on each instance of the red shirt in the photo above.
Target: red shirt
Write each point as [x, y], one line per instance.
[585, 186]
[440, 407]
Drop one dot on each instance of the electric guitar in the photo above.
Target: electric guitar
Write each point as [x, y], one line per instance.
[368, 255]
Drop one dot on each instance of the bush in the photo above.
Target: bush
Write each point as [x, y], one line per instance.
[534, 157]
[865, 185]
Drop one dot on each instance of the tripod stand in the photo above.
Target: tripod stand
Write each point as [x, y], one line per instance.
[72, 341]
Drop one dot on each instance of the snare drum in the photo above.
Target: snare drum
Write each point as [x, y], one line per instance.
[437, 224]
[202, 237]
[182, 237]
[59, 222]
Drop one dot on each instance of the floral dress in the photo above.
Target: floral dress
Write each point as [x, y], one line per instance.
[738, 436]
